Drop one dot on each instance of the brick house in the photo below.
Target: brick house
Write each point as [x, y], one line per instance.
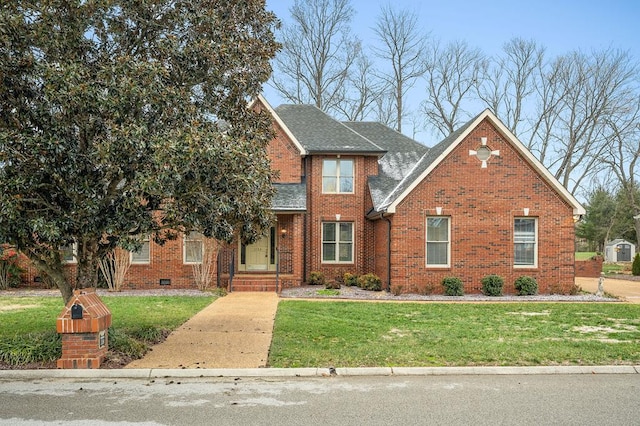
[360, 197]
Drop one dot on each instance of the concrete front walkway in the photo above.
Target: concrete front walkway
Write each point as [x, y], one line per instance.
[233, 332]
[627, 290]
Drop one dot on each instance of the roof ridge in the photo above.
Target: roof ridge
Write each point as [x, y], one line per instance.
[362, 136]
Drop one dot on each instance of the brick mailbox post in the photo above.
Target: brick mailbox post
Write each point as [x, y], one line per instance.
[84, 326]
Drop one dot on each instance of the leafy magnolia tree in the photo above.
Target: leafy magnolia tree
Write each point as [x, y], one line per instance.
[120, 119]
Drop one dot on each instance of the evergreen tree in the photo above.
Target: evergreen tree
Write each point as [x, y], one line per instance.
[110, 115]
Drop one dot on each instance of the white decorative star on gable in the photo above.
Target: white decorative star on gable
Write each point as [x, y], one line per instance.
[483, 153]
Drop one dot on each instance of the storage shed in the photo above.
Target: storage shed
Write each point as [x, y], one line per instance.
[619, 251]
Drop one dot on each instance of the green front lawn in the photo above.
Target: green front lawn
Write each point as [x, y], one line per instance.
[28, 331]
[351, 334]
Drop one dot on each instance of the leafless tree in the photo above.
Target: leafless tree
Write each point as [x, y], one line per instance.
[452, 75]
[624, 156]
[579, 97]
[403, 44]
[550, 92]
[510, 81]
[358, 97]
[318, 51]
[385, 109]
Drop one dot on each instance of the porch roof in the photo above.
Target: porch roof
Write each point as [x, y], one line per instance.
[289, 197]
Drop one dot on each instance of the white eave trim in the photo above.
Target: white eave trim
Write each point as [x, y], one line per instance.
[303, 152]
[578, 209]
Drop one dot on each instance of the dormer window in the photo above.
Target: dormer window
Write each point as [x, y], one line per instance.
[337, 176]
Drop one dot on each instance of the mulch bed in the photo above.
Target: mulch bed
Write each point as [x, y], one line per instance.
[356, 293]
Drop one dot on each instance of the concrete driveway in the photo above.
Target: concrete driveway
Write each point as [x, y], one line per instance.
[624, 289]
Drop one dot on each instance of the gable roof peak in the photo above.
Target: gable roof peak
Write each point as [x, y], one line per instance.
[279, 121]
[441, 150]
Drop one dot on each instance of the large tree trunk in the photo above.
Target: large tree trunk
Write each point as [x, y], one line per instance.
[88, 264]
[56, 274]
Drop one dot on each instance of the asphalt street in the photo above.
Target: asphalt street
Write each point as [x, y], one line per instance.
[574, 399]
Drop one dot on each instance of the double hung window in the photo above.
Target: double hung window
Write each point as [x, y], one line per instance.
[337, 176]
[438, 241]
[69, 253]
[193, 247]
[143, 255]
[525, 241]
[337, 242]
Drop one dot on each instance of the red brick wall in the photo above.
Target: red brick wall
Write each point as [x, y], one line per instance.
[380, 248]
[285, 158]
[166, 262]
[482, 205]
[351, 208]
[590, 268]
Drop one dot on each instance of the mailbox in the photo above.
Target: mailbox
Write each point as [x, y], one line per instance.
[84, 324]
[76, 311]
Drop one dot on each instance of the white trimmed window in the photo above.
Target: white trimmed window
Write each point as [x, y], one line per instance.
[337, 242]
[69, 253]
[525, 242]
[193, 247]
[438, 242]
[337, 176]
[144, 254]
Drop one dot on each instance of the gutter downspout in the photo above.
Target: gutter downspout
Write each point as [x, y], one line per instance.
[388, 250]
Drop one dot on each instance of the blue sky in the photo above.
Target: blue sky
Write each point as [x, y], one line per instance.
[561, 25]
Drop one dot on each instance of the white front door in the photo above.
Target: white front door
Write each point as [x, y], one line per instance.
[258, 255]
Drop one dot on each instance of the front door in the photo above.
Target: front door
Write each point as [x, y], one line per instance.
[259, 256]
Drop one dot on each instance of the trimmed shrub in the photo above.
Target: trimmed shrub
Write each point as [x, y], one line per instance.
[316, 278]
[370, 282]
[332, 285]
[635, 266]
[427, 290]
[350, 280]
[492, 285]
[397, 289]
[453, 286]
[10, 270]
[526, 286]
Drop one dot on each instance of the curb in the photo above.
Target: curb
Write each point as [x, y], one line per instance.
[156, 373]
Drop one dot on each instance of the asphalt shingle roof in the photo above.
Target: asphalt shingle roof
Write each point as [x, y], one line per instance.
[423, 164]
[402, 160]
[317, 132]
[289, 196]
[402, 151]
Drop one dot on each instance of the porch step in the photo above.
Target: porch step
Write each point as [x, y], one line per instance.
[241, 283]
